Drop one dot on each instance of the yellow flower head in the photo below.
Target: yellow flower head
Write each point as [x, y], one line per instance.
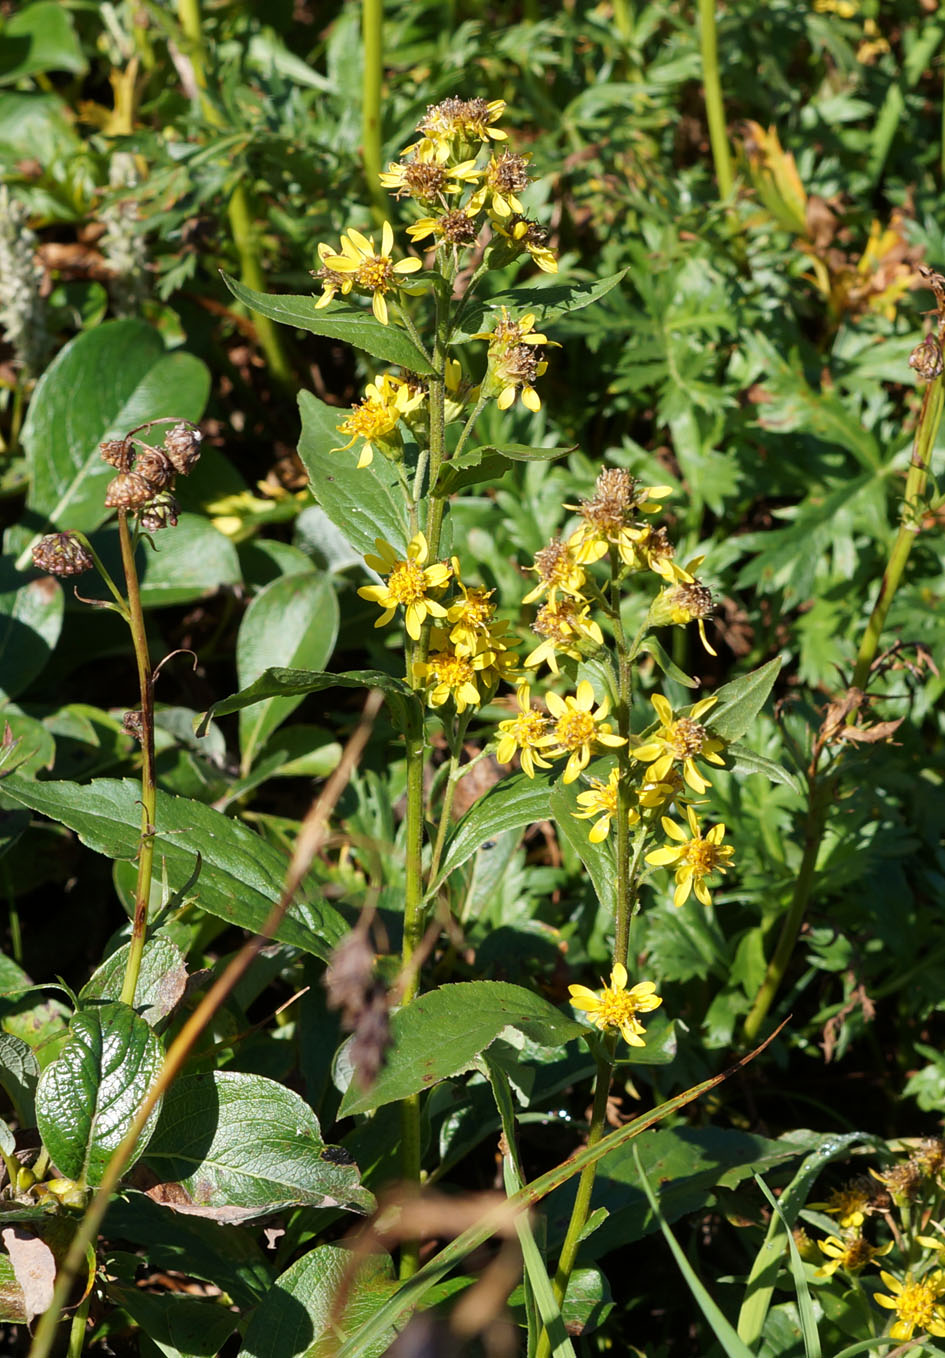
[602, 801]
[368, 269]
[528, 732]
[918, 1304]
[694, 856]
[690, 601]
[409, 584]
[558, 569]
[609, 517]
[426, 179]
[456, 227]
[616, 1006]
[518, 235]
[851, 1254]
[679, 738]
[514, 363]
[567, 627]
[386, 401]
[849, 1204]
[458, 127]
[445, 674]
[579, 729]
[469, 618]
[503, 179]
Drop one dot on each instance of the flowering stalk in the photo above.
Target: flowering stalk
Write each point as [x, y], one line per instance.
[372, 32]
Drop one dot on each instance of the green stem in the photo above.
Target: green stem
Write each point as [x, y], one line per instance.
[909, 528]
[372, 31]
[715, 109]
[413, 935]
[452, 779]
[78, 1328]
[468, 427]
[139, 927]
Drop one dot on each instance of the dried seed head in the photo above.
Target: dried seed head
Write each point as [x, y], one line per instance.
[694, 599]
[509, 173]
[903, 1182]
[128, 491]
[926, 358]
[154, 466]
[612, 503]
[931, 1155]
[423, 179]
[132, 723]
[62, 554]
[182, 445]
[161, 512]
[458, 228]
[119, 452]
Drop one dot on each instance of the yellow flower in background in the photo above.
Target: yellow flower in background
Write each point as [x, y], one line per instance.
[386, 400]
[372, 270]
[679, 738]
[602, 800]
[528, 732]
[616, 1006]
[579, 729]
[694, 857]
[408, 585]
[851, 1254]
[918, 1304]
[848, 1204]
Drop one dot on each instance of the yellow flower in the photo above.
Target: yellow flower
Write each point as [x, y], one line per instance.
[684, 603]
[578, 729]
[616, 1006]
[917, 1303]
[408, 583]
[386, 400]
[373, 271]
[426, 179]
[513, 363]
[522, 234]
[609, 518]
[504, 178]
[447, 674]
[527, 732]
[679, 738]
[694, 857]
[848, 1204]
[456, 125]
[851, 1254]
[565, 625]
[603, 801]
[558, 569]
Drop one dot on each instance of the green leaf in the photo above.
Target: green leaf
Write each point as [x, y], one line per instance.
[364, 504]
[19, 1072]
[87, 1097]
[40, 37]
[275, 683]
[740, 701]
[510, 805]
[242, 1146]
[30, 623]
[101, 384]
[299, 1317]
[240, 873]
[338, 321]
[177, 1327]
[743, 760]
[805, 1307]
[161, 980]
[189, 562]
[668, 666]
[442, 1033]
[545, 302]
[488, 463]
[597, 858]
[293, 622]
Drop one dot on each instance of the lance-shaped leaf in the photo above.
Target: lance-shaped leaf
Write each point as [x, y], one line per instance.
[232, 1146]
[240, 874]
[488, 462]
[87, 1097]
[546, 302]
[283, 683]
[442, 1033]
[742, 760]
[338, 321]
[513, 803]
[364, 504]
[740, 701]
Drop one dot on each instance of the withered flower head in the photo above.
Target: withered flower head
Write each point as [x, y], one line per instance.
[161, 512]
[128, 491]
[182, 445]
[931, 1155]
[926, 358]
[903, 1182]
[423, 179]
[154, 466]
[62, 554]
[457, 227]
[119, 452]
[613, 501]
[509, 173]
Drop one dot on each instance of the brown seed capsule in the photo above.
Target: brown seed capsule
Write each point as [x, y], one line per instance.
[926, 358]
[161, 512]
[62, 554]
[154, 466]
[128, 491]
[182, 445]
[118, 452]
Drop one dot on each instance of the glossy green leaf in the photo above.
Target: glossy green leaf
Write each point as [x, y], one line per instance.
[299, 1315]
[189, 562]
[40, 37]
[242, 1146]
[161, 980]
[87, 1097]
[292, 623]
[652, 647]
[19, 1073]
[101, 384]
[740, 701]
[240, 876]
[276, 683]
[363, 504]
[511, 804]
[41, 1021]
[442, 1033]
[34, 747]
[30, 622]
[546, 301]
[487, 463]
[351, 324]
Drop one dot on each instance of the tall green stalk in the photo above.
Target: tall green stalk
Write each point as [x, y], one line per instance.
[372, 34]
[714, 106]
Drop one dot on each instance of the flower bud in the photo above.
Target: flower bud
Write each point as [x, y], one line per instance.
[926, 358]
[161, 512]
[62, 554]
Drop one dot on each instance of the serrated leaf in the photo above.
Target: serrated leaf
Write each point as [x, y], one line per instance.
[87, 1097]
[744, 760]
[19, 1073]
[241, 1146]
[296, 683]
[101, 384]
[545, 302]
[161, 980]
[30, 622]
[487, 463]
[240, 874]
[299, 1316]
[292, 623]
[740, 701]
[441, 1033]
[510, 805]
[338, 321]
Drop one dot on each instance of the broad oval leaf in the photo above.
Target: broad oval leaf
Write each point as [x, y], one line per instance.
[103, 383]
[240, 1146]
[87, 1097]
[274, 683]
[740, 701]
[188, 562]
[442, 1033]
[30, 622]
[161, 979]
[341, 322]
[364, 504]
[19, 1074]
[240, 874]
[513, 803]
[292, 622]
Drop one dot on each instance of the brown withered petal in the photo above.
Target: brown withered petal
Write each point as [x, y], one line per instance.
[118, 452]
[131, 722]
[182, 445]
[371, 1038]
[349, 977]
[161, 512]
[61, 554]
[926, 358]
[155, 467]
[128, 491]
